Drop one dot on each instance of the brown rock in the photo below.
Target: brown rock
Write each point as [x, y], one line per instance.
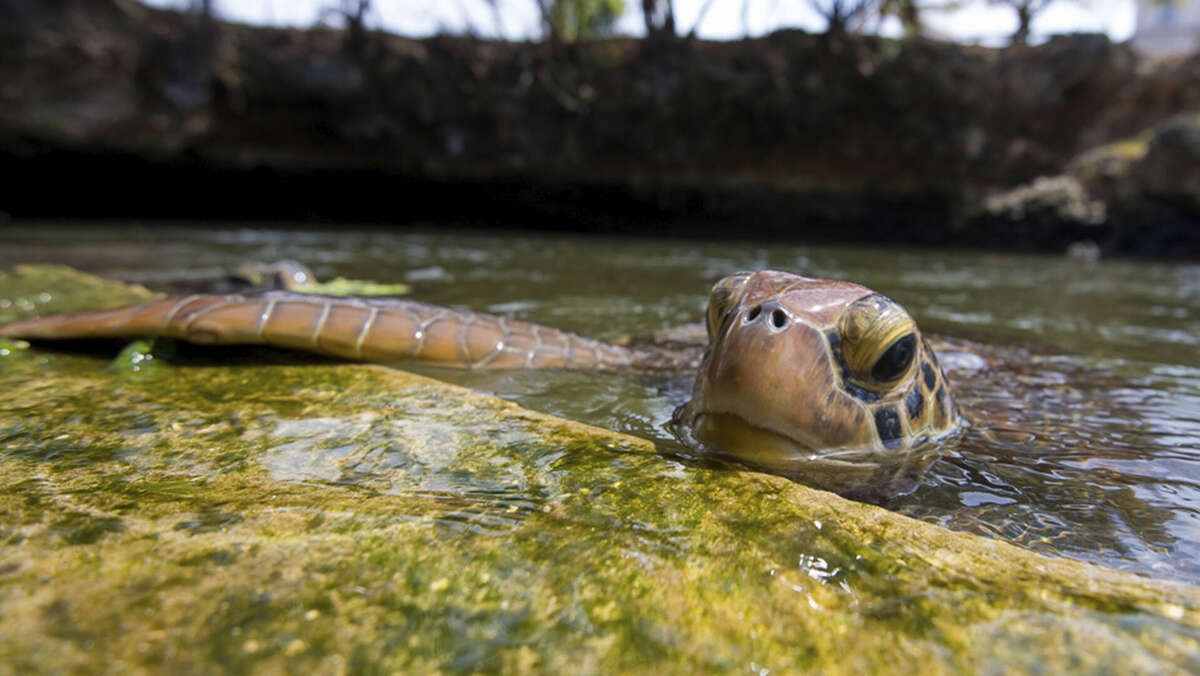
[1170, 170]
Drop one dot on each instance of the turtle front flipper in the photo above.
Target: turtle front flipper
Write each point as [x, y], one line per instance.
[376, 330]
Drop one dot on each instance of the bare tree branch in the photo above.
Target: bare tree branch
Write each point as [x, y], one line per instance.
[1027, 11]
[203, 7]
[841, 15]
[700, 17]
[657, 25]
[468, 21]
[501, 33]
[544, 9]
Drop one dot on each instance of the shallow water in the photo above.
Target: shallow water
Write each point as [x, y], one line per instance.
[1085, 429]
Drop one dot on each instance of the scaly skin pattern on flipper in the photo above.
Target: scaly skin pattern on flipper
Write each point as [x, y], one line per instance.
[378, 330]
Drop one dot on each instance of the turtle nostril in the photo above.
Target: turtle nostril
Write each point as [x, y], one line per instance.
[778, 319]
[753, 313]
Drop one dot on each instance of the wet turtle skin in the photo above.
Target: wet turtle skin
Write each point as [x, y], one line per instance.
[823, 380]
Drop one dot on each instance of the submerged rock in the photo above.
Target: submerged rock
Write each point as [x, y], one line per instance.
[233, 512]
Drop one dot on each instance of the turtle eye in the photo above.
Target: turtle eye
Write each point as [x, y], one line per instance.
[879, 342]
[895, 360]
[722, 298]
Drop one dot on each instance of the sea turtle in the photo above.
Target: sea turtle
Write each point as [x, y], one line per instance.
[824, 380]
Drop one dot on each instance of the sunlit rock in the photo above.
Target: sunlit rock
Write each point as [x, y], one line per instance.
[234, 510]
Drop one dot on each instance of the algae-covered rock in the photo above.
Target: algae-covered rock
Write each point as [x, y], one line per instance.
[1170, 169]
[1160, 163]
[226, 512]
[340, 286]
[47, 289]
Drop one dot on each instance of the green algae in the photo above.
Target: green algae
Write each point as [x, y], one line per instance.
[138, 357]
[9, 347]
[340, 286]
[27, 290]
[236, 514]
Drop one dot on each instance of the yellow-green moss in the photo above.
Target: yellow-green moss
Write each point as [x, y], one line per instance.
[340, 286]
[222, 513]
[1130, 150]
[46, 289]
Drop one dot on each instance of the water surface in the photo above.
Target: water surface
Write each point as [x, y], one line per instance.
[1085, 428]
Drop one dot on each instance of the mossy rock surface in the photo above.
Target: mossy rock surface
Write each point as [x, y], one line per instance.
[28, 290]
[233, 513]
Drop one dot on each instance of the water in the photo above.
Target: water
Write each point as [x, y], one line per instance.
[1085, 425]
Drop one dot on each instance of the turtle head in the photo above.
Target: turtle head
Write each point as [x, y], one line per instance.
[826, 381]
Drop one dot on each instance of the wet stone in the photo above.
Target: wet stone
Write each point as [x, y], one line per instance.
[27, 290]
[275, 514]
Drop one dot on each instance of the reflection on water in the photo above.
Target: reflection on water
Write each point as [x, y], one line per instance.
[1081, 380]
[405, 455]
[1094, 460]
